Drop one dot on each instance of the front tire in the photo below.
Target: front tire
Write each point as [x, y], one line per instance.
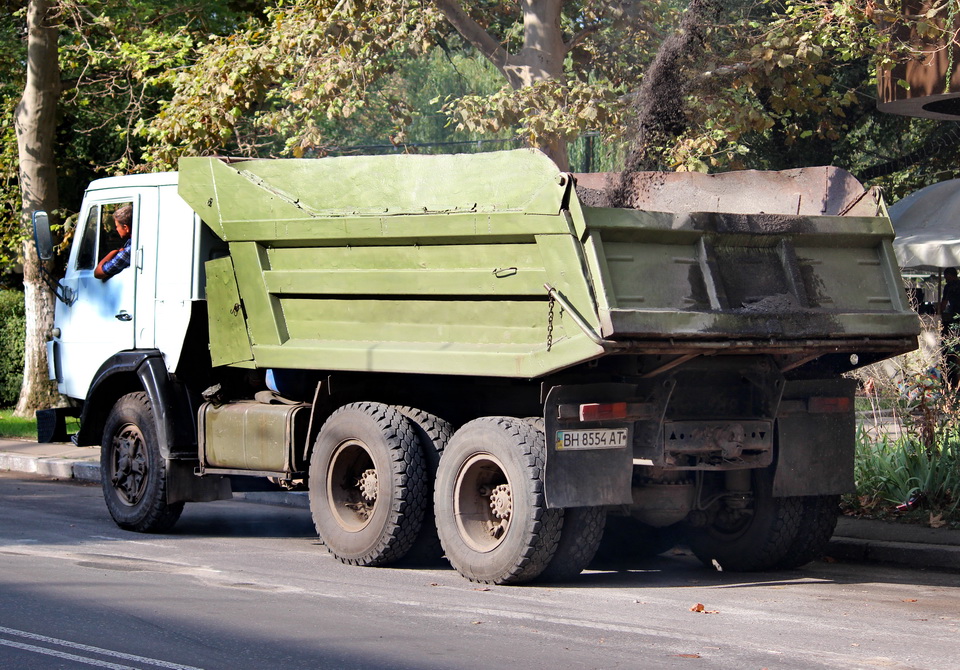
[368, 487]
[133, 474]
[492, 517]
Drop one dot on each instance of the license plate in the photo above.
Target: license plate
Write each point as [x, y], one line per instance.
[599, 438]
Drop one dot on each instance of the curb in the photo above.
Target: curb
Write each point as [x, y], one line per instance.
[61, 468]
[912, 554]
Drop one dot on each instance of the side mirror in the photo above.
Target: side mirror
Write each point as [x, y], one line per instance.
[42, 236]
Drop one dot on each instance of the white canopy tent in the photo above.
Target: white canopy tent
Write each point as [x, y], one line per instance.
[927, 225]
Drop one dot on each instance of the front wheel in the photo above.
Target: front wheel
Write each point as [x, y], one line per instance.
[132, 471]
[492, 517]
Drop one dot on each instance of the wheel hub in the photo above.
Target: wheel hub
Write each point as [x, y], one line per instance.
[501, 502]
[352, 486]
[483, 502]
[130, 464]
[368, 485]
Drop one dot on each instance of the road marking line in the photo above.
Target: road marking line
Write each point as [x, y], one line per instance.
[64, 655]
[84, 647]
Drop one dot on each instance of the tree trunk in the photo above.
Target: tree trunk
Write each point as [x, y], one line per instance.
[35, 122]
[540, 59]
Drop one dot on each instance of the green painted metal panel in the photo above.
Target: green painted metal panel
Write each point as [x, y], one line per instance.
[464, 269]
[405, 282]
[728, 277]
[440, 264]
[454, 358]
[259, 199]
[229, 343]
[264, 315]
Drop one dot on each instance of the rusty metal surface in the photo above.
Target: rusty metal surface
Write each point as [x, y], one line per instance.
[815, 191]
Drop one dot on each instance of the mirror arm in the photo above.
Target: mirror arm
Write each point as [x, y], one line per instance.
[63, 293]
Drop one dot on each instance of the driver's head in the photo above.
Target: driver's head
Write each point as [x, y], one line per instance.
[123, 219]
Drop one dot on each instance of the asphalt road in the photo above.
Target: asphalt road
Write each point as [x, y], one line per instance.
[247, 586]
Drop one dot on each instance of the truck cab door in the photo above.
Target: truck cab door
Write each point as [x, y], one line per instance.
[100, 320]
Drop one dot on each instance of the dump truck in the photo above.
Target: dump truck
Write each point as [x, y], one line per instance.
[481, 357]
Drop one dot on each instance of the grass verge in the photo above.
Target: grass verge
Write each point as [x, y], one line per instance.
[11, 426]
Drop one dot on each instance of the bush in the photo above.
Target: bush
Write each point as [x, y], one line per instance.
[891, 471]
[13, 330]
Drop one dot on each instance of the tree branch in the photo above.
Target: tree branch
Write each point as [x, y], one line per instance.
[580, 36]
[474, 33]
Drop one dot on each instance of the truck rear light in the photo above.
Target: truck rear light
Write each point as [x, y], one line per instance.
[603, 411]
[829, 405]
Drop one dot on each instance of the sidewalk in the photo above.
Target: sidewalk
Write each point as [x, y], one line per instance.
[857, 540]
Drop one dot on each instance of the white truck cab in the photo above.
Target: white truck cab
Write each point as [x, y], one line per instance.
[146, 306]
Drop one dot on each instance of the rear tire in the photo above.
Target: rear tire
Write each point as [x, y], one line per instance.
[133, 474]
[816, 528]
[368, 488]
[579, 540]
[492, 517]
[761, 540]
[433, 433]
[580, 535]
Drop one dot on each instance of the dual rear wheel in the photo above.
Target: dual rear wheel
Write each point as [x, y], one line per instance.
[373, 466]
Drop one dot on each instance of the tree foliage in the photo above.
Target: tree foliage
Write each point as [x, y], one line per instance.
[268, 88]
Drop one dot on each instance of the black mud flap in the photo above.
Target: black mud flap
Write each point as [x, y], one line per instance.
[816, 438]
[588, 472]
[185, 486]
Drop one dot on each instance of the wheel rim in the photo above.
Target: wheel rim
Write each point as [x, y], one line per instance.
[353, 486]
[129, 468]
[483, 502]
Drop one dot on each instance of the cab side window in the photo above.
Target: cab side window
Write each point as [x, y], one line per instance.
[109, 237]
[87, 254]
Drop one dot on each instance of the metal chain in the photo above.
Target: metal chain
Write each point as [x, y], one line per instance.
[550, 323]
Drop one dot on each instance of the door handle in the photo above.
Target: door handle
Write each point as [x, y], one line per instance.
[123, 315]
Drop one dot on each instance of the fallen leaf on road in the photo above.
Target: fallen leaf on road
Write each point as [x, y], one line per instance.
[687, 655]
[937, 521]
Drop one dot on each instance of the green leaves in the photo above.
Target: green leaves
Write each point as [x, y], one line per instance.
[545, 110]
[269, 91]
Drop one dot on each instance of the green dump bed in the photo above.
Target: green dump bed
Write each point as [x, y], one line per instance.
[499, 264]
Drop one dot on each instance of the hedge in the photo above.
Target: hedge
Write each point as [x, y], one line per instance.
[13, 329]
